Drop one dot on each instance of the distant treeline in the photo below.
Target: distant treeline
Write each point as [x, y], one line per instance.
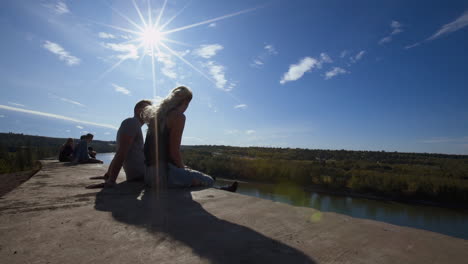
[434, 177]
[19, 152]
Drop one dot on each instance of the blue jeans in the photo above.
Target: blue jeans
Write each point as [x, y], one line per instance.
[174, 177]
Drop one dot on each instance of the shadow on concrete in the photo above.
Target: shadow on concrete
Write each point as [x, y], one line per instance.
[174, 214]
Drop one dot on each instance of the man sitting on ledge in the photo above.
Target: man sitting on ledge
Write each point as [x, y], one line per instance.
[129, 153]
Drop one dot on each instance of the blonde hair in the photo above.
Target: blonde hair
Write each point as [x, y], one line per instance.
[175, 98]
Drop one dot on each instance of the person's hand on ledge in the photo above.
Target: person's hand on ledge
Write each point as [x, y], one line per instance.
[101, 185]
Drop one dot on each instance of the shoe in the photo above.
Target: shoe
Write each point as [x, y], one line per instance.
[232, 188]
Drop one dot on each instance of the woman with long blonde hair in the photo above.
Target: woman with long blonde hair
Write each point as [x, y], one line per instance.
[164, 165]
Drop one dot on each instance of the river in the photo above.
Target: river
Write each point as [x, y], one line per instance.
[452, 222]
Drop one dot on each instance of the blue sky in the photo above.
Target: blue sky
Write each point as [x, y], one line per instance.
[360, 75]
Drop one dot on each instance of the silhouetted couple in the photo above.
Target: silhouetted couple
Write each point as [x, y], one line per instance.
[158, 161]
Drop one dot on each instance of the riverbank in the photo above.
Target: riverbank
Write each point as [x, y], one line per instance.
[371, 196]
[53, 218]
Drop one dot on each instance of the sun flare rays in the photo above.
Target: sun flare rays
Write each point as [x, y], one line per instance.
[150, 36]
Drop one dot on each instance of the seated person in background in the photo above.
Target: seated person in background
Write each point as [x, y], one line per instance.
[129, 154]
[164, 165]
[80, 154]
[66, 151]
[91, 152]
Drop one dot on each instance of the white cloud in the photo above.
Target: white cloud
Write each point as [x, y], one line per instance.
[107, 133]
[61, 53]
[129, 51]
[2, 116]
[413, 45]
[72, 102]
[68, 130]
[241, 106]
[59, 7]
[79, 127]
[217, 73]
[168, 65]
[385, 40]
[192, 140]
[208, 51]
[456, 25]
[231, 132]
[296, 71]
[16, 104]
[250, 132]
[324, 58]
[334, 72]
[358, 56]
[446, 140]
[271, 49]
[212, 25]
[258, 63]
[120, 89]
[396, 29]
[105, 35]
[268, 51]
[61, 117]
[344, 53]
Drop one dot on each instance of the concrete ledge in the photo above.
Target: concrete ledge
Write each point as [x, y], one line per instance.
[52, 218]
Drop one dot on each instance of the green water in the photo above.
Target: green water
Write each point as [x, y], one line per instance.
[452, 222]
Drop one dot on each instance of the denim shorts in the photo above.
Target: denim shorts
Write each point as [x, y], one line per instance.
[175, 177]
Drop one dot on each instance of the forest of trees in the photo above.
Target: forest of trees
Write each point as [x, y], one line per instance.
[19, 152]
[432, 177]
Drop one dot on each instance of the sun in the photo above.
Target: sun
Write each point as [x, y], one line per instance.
[151, 37]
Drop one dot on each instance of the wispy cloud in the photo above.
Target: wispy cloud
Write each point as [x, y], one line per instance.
[16, 104]
[59, 7]
[446, 29]
[241, 106]
[250, 132]
[129, 51]
[105, 35]
[61, 53]
[344, 53]
[72, 102]
[208, 51]
[358, 56]
[66, 100]
[79, 127]
[168, 65]
[412, 45]
[451, 27]
[296, 71]
[55, 116]
[437, 140]
[2, 116]
[217, 72]
[120, 89]
[396, 27]
[334, 72]
[212, 25]
[270, 49]
[192, 140]
[260, 60]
